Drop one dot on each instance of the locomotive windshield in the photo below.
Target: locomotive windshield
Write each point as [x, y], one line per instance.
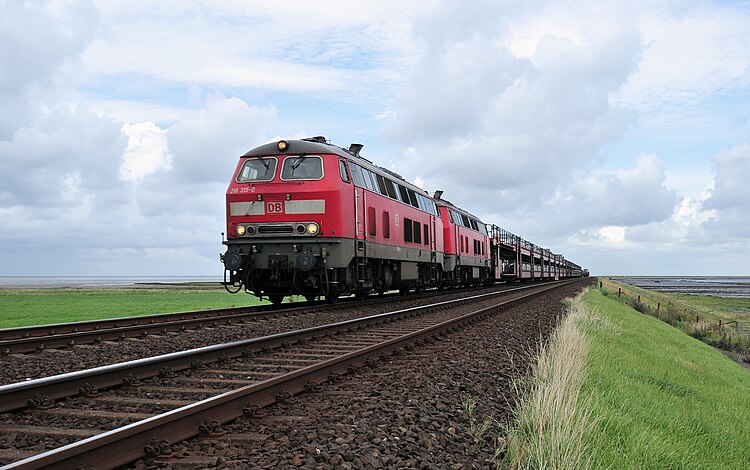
[305, 167]
[257, 169]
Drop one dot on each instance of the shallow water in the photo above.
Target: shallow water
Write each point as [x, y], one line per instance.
[719, 286]
[32, 282]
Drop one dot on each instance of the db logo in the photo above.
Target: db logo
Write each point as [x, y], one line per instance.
[274, 208]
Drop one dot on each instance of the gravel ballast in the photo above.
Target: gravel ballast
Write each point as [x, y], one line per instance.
[407, 412]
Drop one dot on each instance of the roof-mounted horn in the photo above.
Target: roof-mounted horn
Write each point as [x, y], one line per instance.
[317, 138]
[438, 193]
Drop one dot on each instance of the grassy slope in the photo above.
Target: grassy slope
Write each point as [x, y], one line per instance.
[21, 307]
[710, 306]
[663, 399]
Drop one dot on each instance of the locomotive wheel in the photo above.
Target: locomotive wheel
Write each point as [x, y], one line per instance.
[332, 296]
[276, 299]
[311, 297]
[361, 295]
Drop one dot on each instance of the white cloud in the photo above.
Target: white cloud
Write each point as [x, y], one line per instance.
[122, 121]
[37, 39]
[147, 151]
[208, 142]
[488, 125]
[688, 55]
[731, 189]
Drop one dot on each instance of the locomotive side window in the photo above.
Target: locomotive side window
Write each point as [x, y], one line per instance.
[417, 232]
[413, 199]
[408, 232]
[390, 190]
[369, 180]
[386, 224]
[343, 172]
[404, 194]
[357, 177]
[371, 221]
[381, 185]
[257, 169]
[426, 234]
[304, 167]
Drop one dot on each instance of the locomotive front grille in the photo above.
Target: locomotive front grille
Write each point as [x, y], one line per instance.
[275, 229]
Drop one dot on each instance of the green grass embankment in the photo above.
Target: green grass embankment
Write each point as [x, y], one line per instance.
[720, 322]
[705, 307]
[23, 307]
[651, 397]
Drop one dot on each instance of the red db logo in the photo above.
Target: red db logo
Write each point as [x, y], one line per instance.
[274, 208]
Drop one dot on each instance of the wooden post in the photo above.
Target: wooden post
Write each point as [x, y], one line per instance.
[719, 322]
[600, 284]
[658, 306]
[619, 291]
[697, 319]
[639, 297]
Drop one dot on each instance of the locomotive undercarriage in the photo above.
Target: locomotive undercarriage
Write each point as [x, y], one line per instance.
[327, 268]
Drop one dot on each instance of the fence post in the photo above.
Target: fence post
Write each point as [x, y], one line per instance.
[697, 319]
[600, 284]
[619, 291]
[719, 322]
[639, 297]
[658, 306]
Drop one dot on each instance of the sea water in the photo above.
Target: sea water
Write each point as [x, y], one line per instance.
[720, 286]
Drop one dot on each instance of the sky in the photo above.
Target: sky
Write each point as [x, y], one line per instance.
[614, 132]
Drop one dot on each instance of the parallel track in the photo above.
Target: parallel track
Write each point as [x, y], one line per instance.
[36, 338]
[247, 376]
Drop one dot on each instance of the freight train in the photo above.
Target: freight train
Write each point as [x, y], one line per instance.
[305, 217]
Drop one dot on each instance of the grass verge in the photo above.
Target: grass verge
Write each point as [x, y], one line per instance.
[552, 424]
[23, 307]
[650, 397]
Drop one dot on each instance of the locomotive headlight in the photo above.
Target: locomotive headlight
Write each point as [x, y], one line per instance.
[312, 229]
[240, 230]
[281, 145]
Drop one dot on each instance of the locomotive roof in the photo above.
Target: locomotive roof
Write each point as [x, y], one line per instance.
[319, 144]
[442, 202]
[311, 145]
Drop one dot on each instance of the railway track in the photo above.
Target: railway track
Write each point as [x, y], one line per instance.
[111, 415]
[31, 339]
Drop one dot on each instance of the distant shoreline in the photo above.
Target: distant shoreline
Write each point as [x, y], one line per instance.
[62, 282]
[718, 286]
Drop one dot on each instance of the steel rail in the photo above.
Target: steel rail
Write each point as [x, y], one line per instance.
[34, 338]
[153, 435]
[48, 389]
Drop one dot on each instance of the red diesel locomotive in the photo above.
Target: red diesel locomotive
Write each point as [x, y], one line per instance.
[309, 218]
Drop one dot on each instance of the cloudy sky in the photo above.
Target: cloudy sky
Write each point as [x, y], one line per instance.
[614, 132]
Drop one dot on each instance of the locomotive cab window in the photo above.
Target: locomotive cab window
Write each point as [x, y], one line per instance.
[343, 172]
[257, 169]
[304, 167]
